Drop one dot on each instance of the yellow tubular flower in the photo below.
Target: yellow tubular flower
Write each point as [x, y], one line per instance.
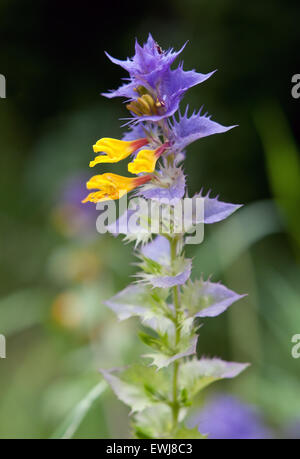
[112, 186]
[115, 150]
[145, 160]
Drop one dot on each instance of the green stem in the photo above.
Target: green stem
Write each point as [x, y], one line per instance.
[175, 404]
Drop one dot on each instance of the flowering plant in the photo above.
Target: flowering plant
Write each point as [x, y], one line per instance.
[169, 304]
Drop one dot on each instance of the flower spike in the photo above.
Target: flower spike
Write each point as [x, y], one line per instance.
[161, 220]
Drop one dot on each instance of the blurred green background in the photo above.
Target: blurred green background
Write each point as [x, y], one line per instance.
[56, 270]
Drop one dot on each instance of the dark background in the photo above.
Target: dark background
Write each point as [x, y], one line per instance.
[55, 270]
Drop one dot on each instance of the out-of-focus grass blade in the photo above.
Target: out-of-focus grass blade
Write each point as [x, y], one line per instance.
[282, 161]
[236, 235]
[70, 425]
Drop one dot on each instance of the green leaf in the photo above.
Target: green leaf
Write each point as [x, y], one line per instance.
[155, 394]
[161, 360]
[184, 397]
[195, 375]
[132, 386]
[154, 273]
[154, 422]
[167, 352]
[145, 302]
[70, 425]
[150, 266]
[190, 434]
[157, 422]
[151, 341]
[207, 299]
[192, 297]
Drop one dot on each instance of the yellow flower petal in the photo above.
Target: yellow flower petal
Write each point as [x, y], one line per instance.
[144, 162]
[112, 186]
[115, 150]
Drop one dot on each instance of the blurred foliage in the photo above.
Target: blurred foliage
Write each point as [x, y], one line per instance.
[55, 270]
